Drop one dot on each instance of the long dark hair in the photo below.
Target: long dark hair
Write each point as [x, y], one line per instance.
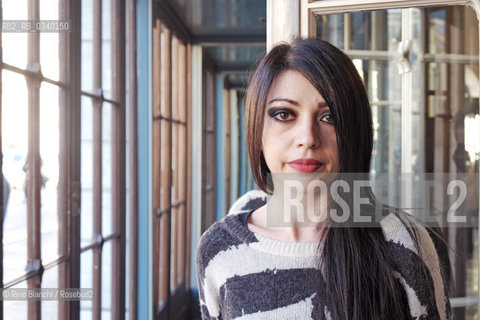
[356, 263]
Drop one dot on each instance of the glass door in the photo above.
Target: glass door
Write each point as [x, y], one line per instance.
[421, 68]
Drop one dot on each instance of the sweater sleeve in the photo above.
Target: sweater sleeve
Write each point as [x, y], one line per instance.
[418, 269]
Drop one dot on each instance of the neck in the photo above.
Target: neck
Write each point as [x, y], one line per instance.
[297, 210]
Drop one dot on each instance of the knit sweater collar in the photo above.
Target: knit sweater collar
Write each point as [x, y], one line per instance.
[249, 202]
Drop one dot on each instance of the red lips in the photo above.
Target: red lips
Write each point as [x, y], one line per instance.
[305, 165]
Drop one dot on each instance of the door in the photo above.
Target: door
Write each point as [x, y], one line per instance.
[420, 67]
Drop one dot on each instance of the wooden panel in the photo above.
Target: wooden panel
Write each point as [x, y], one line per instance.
[188, 180]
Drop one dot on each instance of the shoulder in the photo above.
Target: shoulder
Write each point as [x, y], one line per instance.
[218, 237]
[250, 201]
[229, 232]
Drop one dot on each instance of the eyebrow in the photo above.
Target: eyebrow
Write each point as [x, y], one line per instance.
[323, 104]
[285, 100]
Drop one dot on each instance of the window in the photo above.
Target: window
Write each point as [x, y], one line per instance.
[64, 147]
[170, 159]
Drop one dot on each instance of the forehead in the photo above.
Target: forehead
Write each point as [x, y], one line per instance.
[293, 85]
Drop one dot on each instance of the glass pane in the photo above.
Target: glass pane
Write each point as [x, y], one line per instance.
[49, 41]
[106, 279]
[87, 47]
[14, 45]
[87, 172]
[15, 310]
[106, 169]
[48, 9]
[14, 146]
[86, 265]
[49, 151]
[331, 29]
[48, 55]
[50, 280]
[106, 49]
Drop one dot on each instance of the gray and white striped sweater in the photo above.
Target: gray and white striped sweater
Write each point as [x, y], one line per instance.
[244, 275]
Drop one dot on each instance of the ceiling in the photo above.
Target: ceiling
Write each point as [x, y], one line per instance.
[232, 32]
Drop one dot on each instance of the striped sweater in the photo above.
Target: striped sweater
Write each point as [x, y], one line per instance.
[244, 275]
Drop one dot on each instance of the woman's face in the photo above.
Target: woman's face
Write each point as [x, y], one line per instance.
[299, 131]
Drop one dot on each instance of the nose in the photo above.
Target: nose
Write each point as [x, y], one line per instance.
[307, 134]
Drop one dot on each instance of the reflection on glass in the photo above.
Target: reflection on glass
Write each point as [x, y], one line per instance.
[14, 147]
[106, 49]
[17, 308]
[49, 151]
[86, 263]
[14, 45]
[87, 173]
[106, 279]
[87, 45]
[107, 170]
[49, 280]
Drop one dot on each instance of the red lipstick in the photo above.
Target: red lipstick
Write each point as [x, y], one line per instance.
[305, 165]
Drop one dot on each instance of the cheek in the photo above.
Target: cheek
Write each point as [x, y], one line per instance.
[330, 142]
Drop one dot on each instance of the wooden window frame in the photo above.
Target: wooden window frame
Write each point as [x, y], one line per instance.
[118, 167]
[171, 154]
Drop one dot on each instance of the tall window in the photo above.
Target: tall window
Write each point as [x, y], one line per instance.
[64, 153]
[35, 89]
[171, 217]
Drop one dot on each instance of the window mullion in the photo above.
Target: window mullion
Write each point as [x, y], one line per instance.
[174, 165]
[188, 179]
[165, 172]
[182, 143]
[64, 236]
[118, 181]
[97, 161]
[73, 149]
[34, 264]
[132, 154]
[156, 154]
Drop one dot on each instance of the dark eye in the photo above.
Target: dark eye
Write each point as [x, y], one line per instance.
[327, 117]
[281, 115]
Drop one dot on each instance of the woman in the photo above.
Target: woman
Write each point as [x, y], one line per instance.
[308, 116]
